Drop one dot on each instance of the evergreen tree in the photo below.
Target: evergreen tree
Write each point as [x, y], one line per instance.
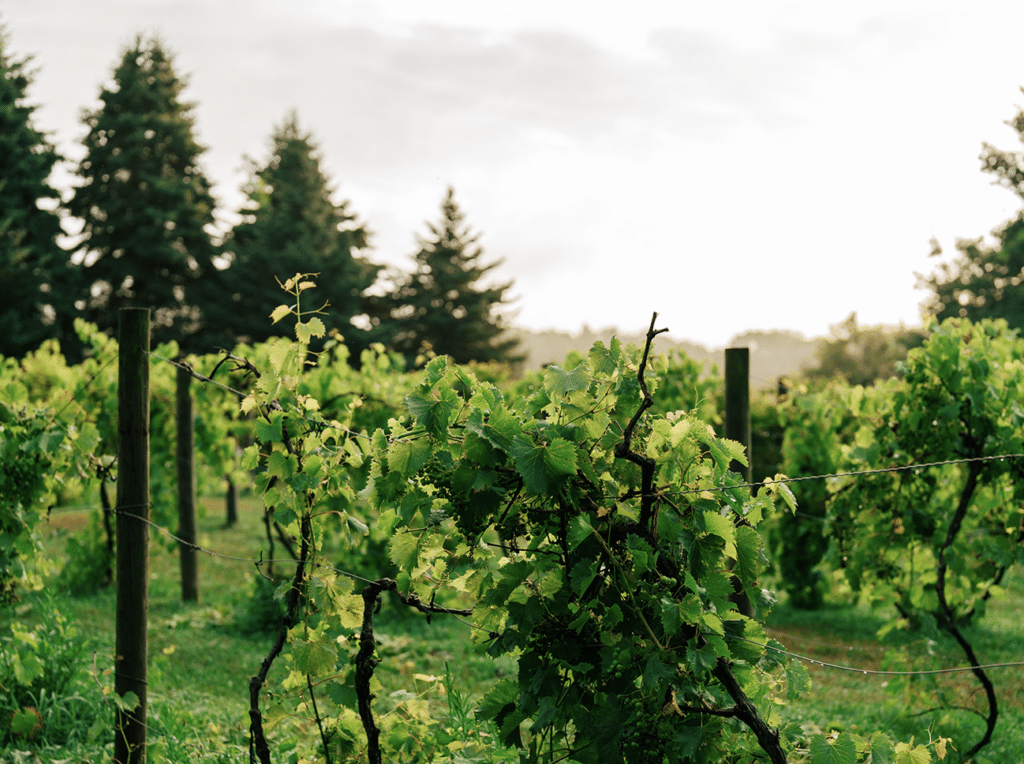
[862, 355]
[290, 225]
[29, 256]
[144, 201]
[986, 281]
[441, 307]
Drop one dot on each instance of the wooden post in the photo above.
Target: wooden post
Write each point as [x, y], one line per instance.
[231, 502]
[737, 404]
[132, 536]
[186, 488]
[737, 427]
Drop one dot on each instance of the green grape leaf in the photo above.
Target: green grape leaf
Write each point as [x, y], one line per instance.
[50, 441]
[558, 382]
[669, 616]
[407, 456]
[269, 432]
[579, 530]
[717, 586]
[279, 312]
[316, 327]
[643, 555]
[127, 702]
[798, 682]
[315, 658]
[27, 668]
[605, 360]
[909, 754]
[539, 462]
[499, 700]
[509, 578]
[582, 575]
[702, 660]
[839, 750]
[529, 458]
[656, 674]
[560, 457]
[433, 413]
[612, 618]
[404, 550]
[882, 751]
[387, 521]
[280, 351]
[750, 556]
[723, 528]
[748, 640]
[25, 721]
[690, 609]
[281, 465]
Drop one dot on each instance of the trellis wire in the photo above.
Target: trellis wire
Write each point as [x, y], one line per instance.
[804, 658]
[813, 661]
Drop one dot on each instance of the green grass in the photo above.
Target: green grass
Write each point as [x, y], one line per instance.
[202, 655]
[201, 661]
[864, 703]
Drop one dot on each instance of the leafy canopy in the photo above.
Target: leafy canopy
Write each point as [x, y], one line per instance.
[145, 205]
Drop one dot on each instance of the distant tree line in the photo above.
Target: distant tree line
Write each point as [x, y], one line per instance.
[139, 229]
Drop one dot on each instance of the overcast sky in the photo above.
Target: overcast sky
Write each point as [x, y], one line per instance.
[732, 165]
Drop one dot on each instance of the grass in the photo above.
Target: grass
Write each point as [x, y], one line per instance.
[864, 703]
[202, 655]
[201, 661]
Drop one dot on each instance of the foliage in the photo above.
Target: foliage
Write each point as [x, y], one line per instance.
[936, 543]
[41, 458]
[593, 538]
[616, 605]
[986, 281]
[290, 224]
[442, 308]
[29, 256]
[815, 426]
[684, 384]
[860, 355]
[145, 204]
[48, 699]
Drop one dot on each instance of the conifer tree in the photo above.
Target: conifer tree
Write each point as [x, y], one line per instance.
[291, 224]
[146, 206]
[29, 256]
[442, 307]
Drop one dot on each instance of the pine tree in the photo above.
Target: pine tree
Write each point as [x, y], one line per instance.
[290, 225]
[146, 206]
[30, 258]
[442, 307]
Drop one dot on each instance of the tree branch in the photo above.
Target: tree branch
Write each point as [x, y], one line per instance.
[624, 449]
[973, 471]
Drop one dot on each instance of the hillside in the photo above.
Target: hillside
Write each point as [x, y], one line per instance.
[772, 353]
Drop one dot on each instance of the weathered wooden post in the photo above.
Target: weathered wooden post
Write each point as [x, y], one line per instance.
[231, 503]
[132, 537]
[737, 404]
[185, 452]
[737, 427]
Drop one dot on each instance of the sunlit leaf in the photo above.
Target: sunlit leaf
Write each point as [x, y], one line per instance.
[279, 312]
[558, 382]
[828, 750]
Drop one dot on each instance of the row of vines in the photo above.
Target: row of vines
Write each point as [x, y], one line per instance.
[583, 519]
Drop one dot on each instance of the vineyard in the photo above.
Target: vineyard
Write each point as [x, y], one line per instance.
[446, 564]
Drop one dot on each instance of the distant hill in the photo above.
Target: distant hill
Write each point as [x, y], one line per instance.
[773, 353]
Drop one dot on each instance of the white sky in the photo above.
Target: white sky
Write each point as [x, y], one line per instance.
[732, 165]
